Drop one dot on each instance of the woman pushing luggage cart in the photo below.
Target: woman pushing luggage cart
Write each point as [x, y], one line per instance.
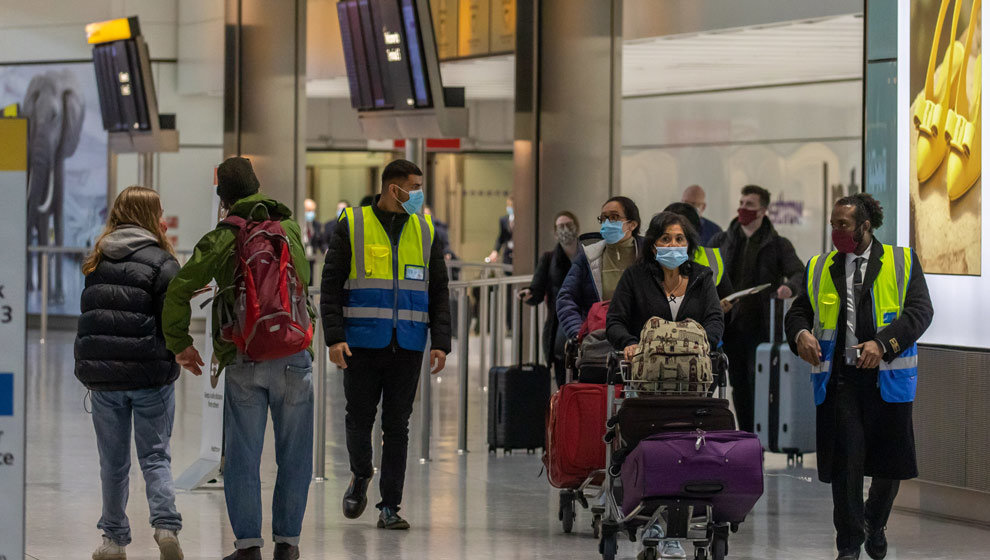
[684, 473]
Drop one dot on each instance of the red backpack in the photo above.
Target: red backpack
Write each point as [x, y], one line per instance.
[271, 317]
[595, 319]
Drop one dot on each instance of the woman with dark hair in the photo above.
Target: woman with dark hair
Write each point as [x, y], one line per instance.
[596, 270]
[547, 280]
[664, 283]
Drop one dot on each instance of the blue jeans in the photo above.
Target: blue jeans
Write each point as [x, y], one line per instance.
[153, 412]
[286, 386]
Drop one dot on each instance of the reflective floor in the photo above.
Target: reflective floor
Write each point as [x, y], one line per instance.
[460, 506]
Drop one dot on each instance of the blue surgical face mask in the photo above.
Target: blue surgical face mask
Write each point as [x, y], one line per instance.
[671, 257]
[415, 202]
[310, 215]
[612, 232]
[509, 211]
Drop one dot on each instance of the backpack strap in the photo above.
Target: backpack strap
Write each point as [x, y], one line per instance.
[234, 221]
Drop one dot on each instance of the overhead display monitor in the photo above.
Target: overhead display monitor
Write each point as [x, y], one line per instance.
[940, 204]
[119, 80]
[387, 68]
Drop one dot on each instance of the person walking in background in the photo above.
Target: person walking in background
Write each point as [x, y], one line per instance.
[856, 320]
[597, 269]
[705, 256]
[504, 243]
[313, 234]
[121, 357]
[547, 281]
[384, 291]
[695, 196]
[281, 381]
[443, 234]
[754, 254]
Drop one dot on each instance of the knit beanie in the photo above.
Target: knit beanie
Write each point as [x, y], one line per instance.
[236, 180]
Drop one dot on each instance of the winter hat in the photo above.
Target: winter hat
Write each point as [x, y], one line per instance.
[236, 180]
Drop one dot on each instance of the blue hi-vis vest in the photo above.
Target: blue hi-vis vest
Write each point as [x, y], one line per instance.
[387, 288]
[898, 379]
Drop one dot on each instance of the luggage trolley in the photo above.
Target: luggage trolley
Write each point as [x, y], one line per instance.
[591, 490]
[693, 521]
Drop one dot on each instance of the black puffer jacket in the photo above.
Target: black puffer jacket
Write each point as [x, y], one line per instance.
[640, 296]
[119, 344]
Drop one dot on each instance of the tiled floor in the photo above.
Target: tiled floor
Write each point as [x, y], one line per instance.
[471, 506]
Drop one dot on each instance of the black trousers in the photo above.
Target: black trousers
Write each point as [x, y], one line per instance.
[390, 376]
[740, 347]
[850, 515]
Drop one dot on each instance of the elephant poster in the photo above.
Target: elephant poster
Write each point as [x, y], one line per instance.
[67, 171]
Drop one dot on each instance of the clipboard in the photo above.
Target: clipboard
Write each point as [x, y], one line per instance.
[747, 292]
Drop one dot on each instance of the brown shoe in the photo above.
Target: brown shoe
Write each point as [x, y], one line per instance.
[284, 551]
[253, 553]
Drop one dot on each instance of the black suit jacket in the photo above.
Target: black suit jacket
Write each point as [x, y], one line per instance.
[890, 453]
[503, 239]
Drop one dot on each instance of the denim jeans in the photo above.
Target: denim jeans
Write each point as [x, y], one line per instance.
[153, 412]
[286, 386]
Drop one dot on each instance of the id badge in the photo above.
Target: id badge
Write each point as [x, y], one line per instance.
[415, 272]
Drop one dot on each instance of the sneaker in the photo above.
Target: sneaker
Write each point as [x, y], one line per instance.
[672, 549]
[654, 531]
[253, 553]
[285, 551]
[389, 519]
[168, 544]
[109, 550]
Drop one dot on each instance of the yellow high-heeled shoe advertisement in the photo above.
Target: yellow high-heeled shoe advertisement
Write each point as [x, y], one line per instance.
[946, 128]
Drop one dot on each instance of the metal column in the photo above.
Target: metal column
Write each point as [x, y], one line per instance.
[320, 452]
[463, 365]
[416, 153]
[425, 406]
[146, 169]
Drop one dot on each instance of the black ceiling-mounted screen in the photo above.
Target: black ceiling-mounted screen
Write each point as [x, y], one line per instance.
[121, 86]
[384, 55]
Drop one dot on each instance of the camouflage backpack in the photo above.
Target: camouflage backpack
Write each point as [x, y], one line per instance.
[674, 355]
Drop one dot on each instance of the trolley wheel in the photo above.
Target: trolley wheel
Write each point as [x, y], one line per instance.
[701, 554]
[608, 546]
[491, 449]
[596, 525]
[567, 513]
[649, 553]
[507, 452]
[720, 543]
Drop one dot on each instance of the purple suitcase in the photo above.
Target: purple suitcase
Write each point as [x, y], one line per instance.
[724, 468]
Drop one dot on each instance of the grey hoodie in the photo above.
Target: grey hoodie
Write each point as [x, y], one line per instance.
[125, 240]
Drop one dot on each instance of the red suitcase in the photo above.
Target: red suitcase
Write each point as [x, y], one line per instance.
[575, 428]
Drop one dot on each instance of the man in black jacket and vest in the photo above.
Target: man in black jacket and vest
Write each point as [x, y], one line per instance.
[856, 320]
[753, 254]
[384, 288]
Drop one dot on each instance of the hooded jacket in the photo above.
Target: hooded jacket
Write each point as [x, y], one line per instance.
[214, 259]
[119, 344]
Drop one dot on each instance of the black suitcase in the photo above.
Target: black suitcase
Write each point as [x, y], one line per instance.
[642, 417]
[518, 397]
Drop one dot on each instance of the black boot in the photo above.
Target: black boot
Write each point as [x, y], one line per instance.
[876, 542]
[253, 553]
[356, 497]
[849, 554]
[389, 519]
[284, 551]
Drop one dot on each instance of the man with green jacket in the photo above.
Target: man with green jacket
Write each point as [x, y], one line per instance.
[285, 385]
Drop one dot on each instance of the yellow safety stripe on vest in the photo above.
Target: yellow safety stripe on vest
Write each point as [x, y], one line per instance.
[712, 258]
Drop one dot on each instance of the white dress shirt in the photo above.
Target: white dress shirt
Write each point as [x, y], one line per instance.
[851, 302]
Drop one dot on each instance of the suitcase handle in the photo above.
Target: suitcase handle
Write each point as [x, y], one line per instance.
[703, 488]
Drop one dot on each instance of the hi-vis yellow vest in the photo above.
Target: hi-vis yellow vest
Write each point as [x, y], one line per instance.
[712, 258]
[388, 285]
[898, 379]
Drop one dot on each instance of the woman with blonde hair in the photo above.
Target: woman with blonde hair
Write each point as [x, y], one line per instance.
[121, 357]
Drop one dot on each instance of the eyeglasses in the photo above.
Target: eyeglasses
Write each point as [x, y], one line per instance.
[610, 218]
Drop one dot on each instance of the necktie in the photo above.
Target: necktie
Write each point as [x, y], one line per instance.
[858, 279]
